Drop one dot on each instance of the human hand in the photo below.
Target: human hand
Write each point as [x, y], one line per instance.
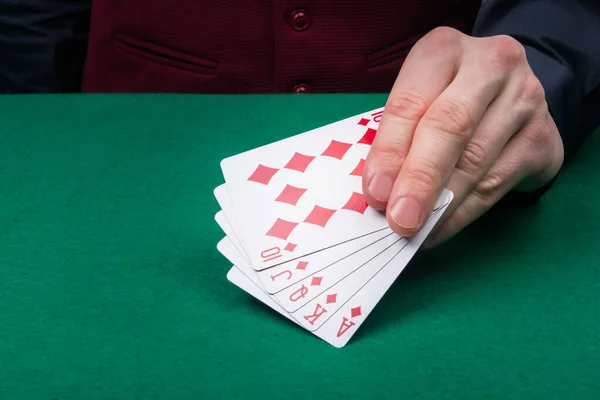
[467, 114]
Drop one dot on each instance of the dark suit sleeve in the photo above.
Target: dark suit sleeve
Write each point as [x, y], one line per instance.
[562, 42]
[42, 45]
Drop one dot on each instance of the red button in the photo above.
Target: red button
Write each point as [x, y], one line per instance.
[301, 88]
[299, 20]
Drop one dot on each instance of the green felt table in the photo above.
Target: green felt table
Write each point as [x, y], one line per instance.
[111, 286]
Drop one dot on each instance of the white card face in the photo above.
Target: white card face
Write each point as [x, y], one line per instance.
[280, 278]
[316, 312]
[301, 293]
[337, 324]
[284, 275]
[303, 194]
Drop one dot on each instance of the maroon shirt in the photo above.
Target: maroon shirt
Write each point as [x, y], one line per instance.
[259, 46]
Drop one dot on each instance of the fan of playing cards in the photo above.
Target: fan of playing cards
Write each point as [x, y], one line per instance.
[300, 234]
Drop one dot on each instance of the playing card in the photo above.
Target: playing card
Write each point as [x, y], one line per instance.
[334, 319]
[281, 276]
[303, 194]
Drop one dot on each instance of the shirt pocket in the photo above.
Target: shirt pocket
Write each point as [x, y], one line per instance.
[164, 56]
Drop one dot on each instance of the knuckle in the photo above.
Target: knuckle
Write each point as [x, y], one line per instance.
[539, 134]
[387, 157]
[472, 159]
[424, 175]
[487, 187]
[539, 140]
[504, 52]
[436, 40]
[442, 35]
[408, 105]
[531, 90]
[451, 117]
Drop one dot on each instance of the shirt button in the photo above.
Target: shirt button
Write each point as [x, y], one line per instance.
[301, 88]
[299, 20]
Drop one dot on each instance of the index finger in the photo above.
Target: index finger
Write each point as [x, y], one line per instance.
[425, 74]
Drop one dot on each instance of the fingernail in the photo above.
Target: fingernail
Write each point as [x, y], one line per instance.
[380, 186]
[406, 212]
